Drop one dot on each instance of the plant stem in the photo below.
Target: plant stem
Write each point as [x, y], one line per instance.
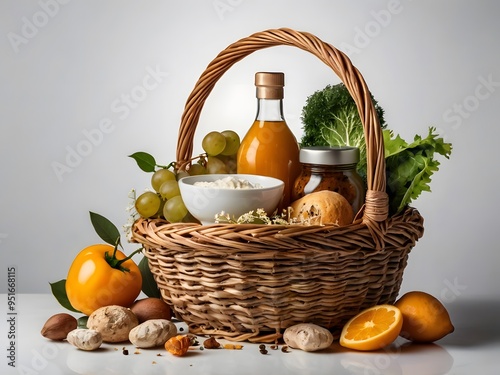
[118, 264]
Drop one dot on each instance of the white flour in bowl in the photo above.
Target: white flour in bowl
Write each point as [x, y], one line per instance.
[228, 183]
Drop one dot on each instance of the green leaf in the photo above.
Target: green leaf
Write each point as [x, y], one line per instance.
[59, 291]
[409, 167]
[145, 161]
[331, 118]
[105, 229]
[149, 286]
[82, 322]
[347, 130]
[324, 106]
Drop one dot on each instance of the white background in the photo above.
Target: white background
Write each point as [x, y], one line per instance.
[67, 66]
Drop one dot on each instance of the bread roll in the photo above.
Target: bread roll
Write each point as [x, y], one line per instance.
[322, 207]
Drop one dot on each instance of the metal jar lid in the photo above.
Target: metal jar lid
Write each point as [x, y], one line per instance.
[326, 155]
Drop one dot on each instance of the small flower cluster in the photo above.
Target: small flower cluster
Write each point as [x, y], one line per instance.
[133, 215]
[258, 216]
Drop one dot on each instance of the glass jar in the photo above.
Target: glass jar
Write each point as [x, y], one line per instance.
[331, 168]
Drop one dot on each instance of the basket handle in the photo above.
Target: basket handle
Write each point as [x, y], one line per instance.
[376, 201]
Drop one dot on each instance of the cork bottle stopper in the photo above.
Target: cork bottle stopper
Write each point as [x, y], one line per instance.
[269, 85]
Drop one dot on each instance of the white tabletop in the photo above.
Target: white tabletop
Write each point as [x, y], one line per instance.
[474, 348]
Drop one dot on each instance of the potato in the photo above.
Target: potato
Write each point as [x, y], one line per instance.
[152, 333]
[85, 339]
[113, 322]
[308, 337]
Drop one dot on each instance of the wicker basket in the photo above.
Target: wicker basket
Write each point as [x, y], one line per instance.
[250, 282]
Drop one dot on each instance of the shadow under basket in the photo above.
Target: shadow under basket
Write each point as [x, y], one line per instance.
[247, 282]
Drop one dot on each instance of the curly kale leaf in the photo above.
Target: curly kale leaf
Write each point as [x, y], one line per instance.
[345, 131]
[331, 118]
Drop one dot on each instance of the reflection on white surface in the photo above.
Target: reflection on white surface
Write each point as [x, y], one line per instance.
[477, 321]
[474, 347]
[400, 358]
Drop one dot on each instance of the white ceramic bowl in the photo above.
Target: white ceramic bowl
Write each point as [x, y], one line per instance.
[205, 202]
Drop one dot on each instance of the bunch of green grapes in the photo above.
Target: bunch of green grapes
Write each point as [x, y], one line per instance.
[221, 149]
[166, 201]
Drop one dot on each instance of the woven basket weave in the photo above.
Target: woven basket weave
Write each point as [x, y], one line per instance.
[249, 282]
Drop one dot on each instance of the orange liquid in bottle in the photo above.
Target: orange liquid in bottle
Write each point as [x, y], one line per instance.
[270, 149]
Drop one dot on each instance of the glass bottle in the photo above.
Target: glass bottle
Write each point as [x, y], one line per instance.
[331, 168]
[270, 148]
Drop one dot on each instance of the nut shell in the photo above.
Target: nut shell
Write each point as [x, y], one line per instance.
[152, 333]
[58, 326]
[113, 322]
[85, 339]
[151, 308]
[178, 345]
[211, 343]
[308, 337]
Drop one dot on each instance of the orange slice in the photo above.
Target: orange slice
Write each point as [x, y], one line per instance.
[373, 328]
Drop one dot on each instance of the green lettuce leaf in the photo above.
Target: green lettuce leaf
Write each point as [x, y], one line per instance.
[331, 118]
[347, 130]
[409, 166]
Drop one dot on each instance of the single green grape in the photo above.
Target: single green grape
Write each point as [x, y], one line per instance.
[160, 176]
[181, 174]
[197, 169]
[232, 142]
[175, 209]
[230, 162]
[159, 213]
[215, 165]
[213, 143]
[169, 189]
[147, 204]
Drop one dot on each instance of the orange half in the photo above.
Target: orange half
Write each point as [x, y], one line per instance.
[373, 328]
